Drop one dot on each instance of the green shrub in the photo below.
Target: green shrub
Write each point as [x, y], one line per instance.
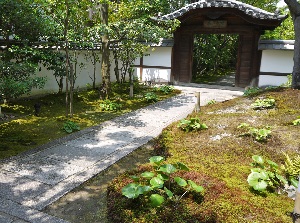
[263, 103]
[123, 88]
[157, 184]
[289, 81]
[265, 175]
[192, 124]
[151, 97]
[70, 127]
[108, 105]
[251, 91]
[166, 89]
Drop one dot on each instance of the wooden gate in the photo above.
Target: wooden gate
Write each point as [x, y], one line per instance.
[220, 17]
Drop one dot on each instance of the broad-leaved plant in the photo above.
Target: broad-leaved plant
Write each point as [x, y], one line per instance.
[157, 184]
[192, 124]
[265, 175]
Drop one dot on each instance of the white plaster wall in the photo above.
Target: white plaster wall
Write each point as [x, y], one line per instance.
[84, 75]
[278, 61]
[159, 56]
[268, 80]
[275, 61]
[154, 74]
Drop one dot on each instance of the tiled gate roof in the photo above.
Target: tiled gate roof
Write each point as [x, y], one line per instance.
[246, 8]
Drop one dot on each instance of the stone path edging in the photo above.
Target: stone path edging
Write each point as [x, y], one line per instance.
[33, 180]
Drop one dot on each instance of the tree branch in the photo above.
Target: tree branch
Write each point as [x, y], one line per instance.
[294, 7]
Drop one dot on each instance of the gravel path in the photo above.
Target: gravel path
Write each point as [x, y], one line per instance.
[31, 181]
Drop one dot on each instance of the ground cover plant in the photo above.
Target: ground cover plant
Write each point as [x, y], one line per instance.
[265, 175]
[259, 134]
[153, 185]
[222, 166]
[151, 97]
[70, 126]
[192, 124]
[21, 129]
[265, 103]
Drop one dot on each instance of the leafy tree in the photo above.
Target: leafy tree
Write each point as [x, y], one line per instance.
[55, 61]
[99, 20]
[17, 79]
[70, 18]
[93, 56]
[21, 24]
[268, 5]
[131, 27]
[294, 7]
[283, 32]
[21, 20]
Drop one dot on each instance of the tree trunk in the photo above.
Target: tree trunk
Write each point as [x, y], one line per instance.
[131, 82]
[294, 8]
[117, 72]
[61, 85]
[94, 70]
[66, 27]
[71, 90]
[105, 66]
[296, 69]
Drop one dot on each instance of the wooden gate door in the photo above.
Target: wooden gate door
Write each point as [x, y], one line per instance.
[182, 58]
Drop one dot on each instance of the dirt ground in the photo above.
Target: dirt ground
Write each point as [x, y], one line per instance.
[87, 203]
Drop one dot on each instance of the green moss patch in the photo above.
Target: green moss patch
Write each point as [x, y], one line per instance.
[22, 130]
[219, 160]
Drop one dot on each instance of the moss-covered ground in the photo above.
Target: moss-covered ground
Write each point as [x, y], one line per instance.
[22, 130]
[219, 160]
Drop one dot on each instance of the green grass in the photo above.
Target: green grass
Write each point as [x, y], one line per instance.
[220, 166]
[26, 131]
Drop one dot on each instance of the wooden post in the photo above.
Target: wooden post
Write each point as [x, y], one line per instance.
[296, 213]
[197, 101]
[141, 68]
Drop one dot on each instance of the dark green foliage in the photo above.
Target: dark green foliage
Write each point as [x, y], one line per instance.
[17, 79]
[151, 97]
[252, 91]
[70, 127]
[166, 89]
[159, 182]
[22, 20]
[123, 88]
[214, 56]
[108, 105]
